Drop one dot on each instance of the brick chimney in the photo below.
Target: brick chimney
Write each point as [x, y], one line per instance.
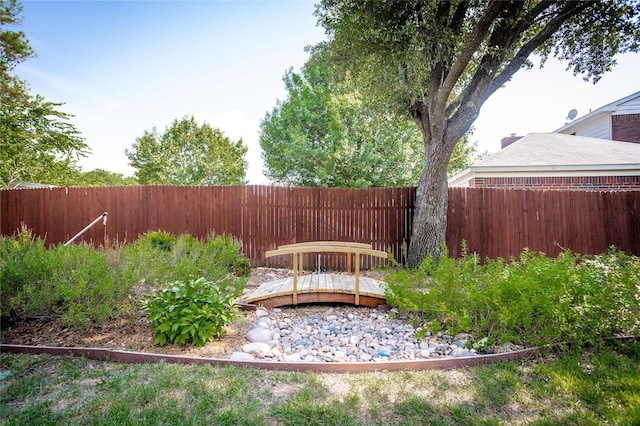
[505, 142]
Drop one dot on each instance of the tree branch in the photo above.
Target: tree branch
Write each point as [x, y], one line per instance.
[570, 9]
[479, 32]
[484, 84]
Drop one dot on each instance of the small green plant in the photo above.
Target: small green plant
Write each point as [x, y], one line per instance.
[421, 333]
[195, 310]
[434, 326]
[160, 240]
[481, 345]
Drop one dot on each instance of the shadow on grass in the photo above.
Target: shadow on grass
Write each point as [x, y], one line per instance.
[311, 405]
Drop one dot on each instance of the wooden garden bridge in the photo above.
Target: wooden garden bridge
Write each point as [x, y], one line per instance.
[322, 287]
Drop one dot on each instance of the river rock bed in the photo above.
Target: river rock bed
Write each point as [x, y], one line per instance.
[345, 333]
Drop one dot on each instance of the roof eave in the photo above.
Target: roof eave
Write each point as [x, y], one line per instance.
[606, 109]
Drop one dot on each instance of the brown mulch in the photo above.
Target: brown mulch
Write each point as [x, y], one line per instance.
[126, 334]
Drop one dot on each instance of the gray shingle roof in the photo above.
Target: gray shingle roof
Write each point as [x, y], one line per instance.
[556, 150]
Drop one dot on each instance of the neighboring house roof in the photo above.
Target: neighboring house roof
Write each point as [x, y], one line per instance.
[627, 105]
[556, 154]
[21, 184]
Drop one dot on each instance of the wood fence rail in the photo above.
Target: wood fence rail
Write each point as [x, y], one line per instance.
[494, 222]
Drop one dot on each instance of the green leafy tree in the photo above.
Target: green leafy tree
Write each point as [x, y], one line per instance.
[37, 141]
[324, 134]
[14, 48]
[439, 61]
[100, 177]
[188, 154]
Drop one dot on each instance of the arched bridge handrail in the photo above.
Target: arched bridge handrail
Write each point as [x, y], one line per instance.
[328, 243]
[298, 249]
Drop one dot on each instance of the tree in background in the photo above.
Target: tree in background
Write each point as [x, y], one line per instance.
[15, 49]
[325, 135]
[439, 61]
[37, 142]
[100, 177]
[188, 154]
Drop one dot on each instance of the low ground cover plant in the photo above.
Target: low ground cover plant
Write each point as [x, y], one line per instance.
[573, 301]
[87, 286]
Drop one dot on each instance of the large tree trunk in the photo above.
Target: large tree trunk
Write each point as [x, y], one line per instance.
[430, 217]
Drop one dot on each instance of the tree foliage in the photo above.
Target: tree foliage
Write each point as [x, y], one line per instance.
[439, 61]
[188, 154]
[38, 144]
[326, 135]
[14, 49]
[37, 141]
[101, 177]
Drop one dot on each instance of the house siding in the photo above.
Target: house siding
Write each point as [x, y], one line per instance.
[585, 183]
[626, 128]
[632, 106]
[598, 127]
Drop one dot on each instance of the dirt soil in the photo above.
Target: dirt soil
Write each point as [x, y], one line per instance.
[136, 334]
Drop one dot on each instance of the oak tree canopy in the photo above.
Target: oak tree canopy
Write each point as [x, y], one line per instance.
[439, 61]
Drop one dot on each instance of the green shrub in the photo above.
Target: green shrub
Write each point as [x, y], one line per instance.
[227, 253]
[142, 263]
[531, 300]
[194, 310]
[25, 271]
[73, 281]
[87, 290]
[159, 240]
[87, 286]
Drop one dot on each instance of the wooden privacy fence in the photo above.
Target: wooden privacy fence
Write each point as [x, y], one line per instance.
[503, 222]
[261, 217]
[494, 222]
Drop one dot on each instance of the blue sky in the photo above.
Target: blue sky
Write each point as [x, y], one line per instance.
[123, 67]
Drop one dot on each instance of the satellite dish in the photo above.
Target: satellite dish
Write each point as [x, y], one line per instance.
[572, 114]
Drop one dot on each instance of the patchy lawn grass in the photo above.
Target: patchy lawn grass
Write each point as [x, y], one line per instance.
[602, 387]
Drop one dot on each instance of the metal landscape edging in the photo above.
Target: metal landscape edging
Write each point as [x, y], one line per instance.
[114, 355]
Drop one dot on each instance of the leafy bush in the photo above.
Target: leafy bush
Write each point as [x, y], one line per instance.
[195, 310]
[25, 271]
[87, 286]
[151, 264]
[531, 300]
[87, 289]
[73, 281]
[160, 240]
